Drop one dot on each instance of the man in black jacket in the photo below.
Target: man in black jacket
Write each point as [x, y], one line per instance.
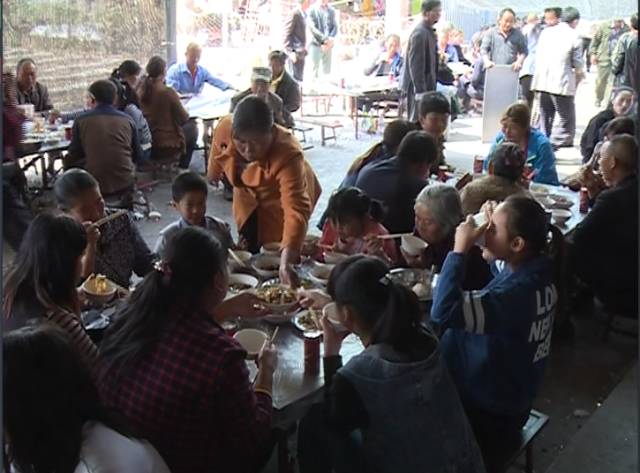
[421, 65]
[605, 244]
[295, 41]
[282, 84]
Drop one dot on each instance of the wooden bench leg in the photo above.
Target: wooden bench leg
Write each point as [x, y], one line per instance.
[322, 135]
[529, 458]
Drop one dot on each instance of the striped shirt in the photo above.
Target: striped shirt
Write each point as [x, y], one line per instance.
[71, 323]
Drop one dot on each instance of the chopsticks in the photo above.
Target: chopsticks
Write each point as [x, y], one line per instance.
[274, 335]
[236, 258]
[393, 236]
[108, 218]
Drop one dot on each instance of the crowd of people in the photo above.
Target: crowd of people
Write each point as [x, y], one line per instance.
[444, 388]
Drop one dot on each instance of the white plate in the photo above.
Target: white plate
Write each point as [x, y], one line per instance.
[299, 326]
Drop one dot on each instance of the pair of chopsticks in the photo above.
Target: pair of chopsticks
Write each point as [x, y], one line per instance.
[393, 236]
[108, 218]
[274, 335]
[237, 259]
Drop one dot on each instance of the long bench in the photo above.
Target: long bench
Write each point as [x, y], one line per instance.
[537, 421]
[324, 124]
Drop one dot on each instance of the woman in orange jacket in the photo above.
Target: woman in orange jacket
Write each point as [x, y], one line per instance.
[274, 187]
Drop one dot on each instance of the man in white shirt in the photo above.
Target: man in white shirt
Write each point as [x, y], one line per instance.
[558, 70]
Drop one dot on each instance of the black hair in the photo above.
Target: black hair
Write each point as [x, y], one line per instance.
[351, 202]
[252, 114]
[619, 126]
[390, 311]
[22, 62]
[43, 272]
[508, 161]
[557, 11]
[281, 56]
[434, 102]
[127, 68]
[394, 132]
[187, 182]
[124, 92]
[506, 10]
[155, 68]
[430, 5]
[634, 21]
[418, 147]
[49, 394]
[625, 149]
[103, 91]
[529, 220]
[70, 185]
[193, 257]
[570, 14]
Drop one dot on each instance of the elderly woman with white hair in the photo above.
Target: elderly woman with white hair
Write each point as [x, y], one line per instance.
[438, 211]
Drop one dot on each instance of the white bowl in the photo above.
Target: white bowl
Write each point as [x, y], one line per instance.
[560, 216]
[246, 280]
[331, 311]
[267, 266]
[98, 297]
[334, 257]
[413, 245]
[272, 248]
[480, 218]
[320, 273]
[251, 340]
[545, 201]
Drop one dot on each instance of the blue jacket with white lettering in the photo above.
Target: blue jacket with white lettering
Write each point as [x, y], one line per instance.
[496, 340]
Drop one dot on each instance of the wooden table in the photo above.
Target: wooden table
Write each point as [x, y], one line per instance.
[353, 92]
[38, 157]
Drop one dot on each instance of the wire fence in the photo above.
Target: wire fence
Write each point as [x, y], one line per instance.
[75, 42]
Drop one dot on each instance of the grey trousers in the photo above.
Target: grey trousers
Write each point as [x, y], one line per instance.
[317, 56]
[563, 131]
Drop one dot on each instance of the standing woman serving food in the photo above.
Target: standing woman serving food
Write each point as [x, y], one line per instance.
[274, 188]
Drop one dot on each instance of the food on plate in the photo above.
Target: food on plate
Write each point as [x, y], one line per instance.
[310, 321]
[421, 290]
[276, 295]
[99, 284]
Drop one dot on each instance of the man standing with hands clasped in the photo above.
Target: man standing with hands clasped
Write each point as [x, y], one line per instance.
[421, 68]
[559, 69]
[324, 28]
[503, 44]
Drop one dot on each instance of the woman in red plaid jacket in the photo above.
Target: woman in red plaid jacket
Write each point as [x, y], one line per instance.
[177, 377]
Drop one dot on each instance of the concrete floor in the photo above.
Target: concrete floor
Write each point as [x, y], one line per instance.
[581, 372]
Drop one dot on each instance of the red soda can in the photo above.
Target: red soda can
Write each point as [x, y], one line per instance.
[68, 133]
[528, 171]
[312, 353]
[478, 164]
[442, 173]
[584, 200]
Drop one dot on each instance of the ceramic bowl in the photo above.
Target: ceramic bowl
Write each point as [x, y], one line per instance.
[334, 257]
[251, 340]
[98, 297]
[331, 311]
[413, 245]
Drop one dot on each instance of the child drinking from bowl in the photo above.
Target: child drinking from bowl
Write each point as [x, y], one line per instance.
[496, 340]
[189, 197]
[393, 407]
[353, 226]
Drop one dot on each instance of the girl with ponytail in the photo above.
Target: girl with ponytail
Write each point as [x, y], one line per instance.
[496, 340]
[353, 225]
[393, 406]
[174, 373]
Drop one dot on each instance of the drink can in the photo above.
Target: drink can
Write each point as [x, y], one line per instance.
[68, 133]
[478, 164]
[312, 353]
[584, 200]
